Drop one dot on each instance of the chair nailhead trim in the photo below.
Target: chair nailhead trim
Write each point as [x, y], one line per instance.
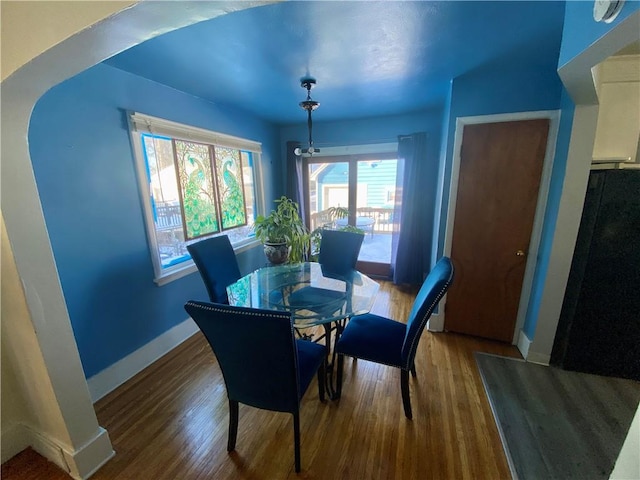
[247, 312]
[426, 317]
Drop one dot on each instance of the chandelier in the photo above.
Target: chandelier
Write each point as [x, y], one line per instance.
[309, 105]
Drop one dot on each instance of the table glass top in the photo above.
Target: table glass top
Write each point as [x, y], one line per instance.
[312, 295]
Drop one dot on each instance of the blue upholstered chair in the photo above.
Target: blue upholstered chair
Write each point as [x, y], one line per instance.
[263, 365]
[382, 340]
[338, 255]
[217, 264]
[339, 250]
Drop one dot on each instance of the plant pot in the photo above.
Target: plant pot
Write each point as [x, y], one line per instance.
[277, 253]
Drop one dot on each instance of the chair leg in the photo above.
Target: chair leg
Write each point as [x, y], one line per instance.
[233, 425]
[340, 368]
[327, 337]
[406, 399]
[322, 378]
[296, 439]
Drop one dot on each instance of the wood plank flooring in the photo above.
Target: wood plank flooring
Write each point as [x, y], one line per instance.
[170, 421]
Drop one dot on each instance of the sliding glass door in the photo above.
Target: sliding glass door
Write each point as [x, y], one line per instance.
[365, 187]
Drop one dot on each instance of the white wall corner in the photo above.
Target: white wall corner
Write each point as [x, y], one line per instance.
[115, 375]
[564, 238]
[436, 323]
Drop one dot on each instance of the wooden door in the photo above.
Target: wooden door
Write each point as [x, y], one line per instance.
[500, 170]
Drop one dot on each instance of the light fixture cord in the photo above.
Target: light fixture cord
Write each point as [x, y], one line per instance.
[310, 125]
[309, 105]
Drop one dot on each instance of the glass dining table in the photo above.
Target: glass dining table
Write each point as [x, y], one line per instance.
[313, 296]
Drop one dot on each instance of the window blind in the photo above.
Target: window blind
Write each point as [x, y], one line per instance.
[141, 122]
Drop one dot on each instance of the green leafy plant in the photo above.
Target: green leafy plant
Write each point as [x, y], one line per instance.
[284, 225]
[338, 212]
[315, 237]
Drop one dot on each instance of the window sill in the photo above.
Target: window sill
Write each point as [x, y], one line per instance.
[186, 269]
[246, 245]
[189, 267]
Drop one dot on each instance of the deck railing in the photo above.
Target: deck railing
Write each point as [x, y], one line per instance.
[168, 217]
[383, 218]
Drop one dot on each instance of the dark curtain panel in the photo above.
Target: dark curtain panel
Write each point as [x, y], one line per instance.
[397, 209]
[294, 178]
[414, 205]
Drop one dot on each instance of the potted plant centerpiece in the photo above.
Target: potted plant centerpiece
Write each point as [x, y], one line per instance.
[282, 232]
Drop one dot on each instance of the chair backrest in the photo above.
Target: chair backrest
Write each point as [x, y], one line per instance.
[217, 264]
[339, 250]
[256, 352]
[431, 292]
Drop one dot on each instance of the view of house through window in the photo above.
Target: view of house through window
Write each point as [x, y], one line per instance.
[365, 186]
[197, 189]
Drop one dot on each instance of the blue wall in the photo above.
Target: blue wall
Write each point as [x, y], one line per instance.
[368, 131]
[439, 217]
[84, 168]
[581, 30]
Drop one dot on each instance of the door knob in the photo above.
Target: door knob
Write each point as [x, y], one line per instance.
[520, 253]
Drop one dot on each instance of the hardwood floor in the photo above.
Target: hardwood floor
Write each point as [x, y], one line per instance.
[170, 421]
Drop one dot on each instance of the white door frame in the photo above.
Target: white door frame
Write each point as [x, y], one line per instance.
[543, 192]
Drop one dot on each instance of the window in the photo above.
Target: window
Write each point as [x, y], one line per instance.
[194, 184]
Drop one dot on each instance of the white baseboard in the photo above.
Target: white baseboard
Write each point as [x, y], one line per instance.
[539, 358]
[47, 447]
[112, 377]
[15, 438]
[523, 344]
[80, 464]
[86, 460]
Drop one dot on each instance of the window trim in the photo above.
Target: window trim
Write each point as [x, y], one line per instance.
[140, 123]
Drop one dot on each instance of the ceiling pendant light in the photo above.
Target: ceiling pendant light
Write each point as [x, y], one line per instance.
[309, 105]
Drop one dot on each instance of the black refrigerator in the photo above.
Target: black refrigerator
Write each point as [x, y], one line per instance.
[599, 327]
